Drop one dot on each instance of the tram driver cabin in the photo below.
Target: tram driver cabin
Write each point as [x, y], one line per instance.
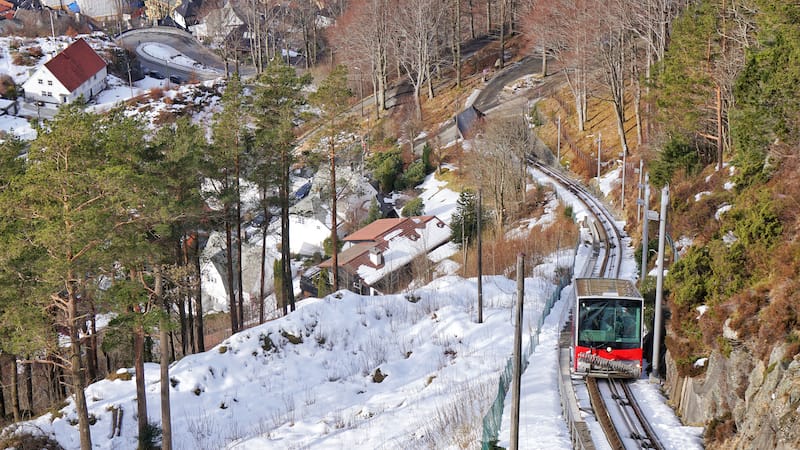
[608, 328]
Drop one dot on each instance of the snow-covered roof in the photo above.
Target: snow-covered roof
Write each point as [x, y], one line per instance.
[398, 241]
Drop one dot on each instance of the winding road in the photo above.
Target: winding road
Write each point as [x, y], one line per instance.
[210, 65]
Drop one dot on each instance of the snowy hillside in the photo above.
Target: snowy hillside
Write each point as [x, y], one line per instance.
[347, 371]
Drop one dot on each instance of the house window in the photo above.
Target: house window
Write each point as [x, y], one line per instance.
[40, 81]
[49, 82]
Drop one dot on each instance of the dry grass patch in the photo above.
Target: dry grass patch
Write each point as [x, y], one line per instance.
[500, 252]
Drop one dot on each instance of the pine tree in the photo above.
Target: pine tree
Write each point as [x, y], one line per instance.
[74, 196]
[278, 98]
[373, 214]
[230, 140]
[464, 223]
[332, 99]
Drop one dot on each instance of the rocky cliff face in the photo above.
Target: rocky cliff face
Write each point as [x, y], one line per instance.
[743, 403]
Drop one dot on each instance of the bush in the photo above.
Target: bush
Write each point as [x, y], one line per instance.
[426, 158]
[322, 284]
[28, 441]
[8, 88]
[414, 207]
[415, 174]
[35, 52]
[150, 439]
[373, 214]
[677, 154]
[327, 246]
[386, 167]
[22, 59]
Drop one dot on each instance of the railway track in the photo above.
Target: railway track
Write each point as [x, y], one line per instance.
[612, 402]
[607, 238]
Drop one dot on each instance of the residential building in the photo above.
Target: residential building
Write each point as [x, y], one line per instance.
[377, 259]
[78, 71]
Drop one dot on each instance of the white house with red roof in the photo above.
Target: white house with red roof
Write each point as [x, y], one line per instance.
[77, 71]
[376, 259]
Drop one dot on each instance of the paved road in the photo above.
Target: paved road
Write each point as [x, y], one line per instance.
[490, 96]
[181, 41]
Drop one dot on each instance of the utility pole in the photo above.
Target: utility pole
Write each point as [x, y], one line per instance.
[662, 235]
[480, 263]
[517, 374]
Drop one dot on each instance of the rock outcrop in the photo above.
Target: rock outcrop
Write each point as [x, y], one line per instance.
[743, 403]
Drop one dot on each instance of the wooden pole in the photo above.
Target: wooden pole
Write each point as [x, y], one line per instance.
[480, 263]
[516, 377]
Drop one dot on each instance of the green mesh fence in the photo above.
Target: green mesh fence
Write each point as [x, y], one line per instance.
[493, 419]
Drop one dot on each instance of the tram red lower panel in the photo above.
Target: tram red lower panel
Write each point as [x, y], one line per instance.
[633, 355]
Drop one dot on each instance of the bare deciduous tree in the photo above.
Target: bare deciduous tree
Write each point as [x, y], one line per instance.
[499, 167]
[416, 28]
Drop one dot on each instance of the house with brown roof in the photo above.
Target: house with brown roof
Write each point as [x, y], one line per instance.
[377, 258]
[7, 10]
[77, 71]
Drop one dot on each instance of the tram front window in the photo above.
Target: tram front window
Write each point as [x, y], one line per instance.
[609, 322]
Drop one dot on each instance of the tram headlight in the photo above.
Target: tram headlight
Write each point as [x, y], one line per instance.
[608, 349]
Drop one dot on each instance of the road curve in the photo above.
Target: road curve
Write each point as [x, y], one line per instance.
[181, 41]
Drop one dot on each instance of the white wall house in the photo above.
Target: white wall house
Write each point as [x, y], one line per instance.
[77, 71]
[217, 24]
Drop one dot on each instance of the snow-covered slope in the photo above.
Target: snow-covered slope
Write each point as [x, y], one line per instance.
[310, 379]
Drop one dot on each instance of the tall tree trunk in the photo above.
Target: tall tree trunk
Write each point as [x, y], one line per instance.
[186, 331]
[2, 395]
[430, 81]
[15, 408]
[488, 16]
[138, 364]
[472, 34]
[198, 297]
[457, 41]
[186, 305]
[286, 256]
[186, 299]
[637, 112]
[720, 140]
[238, 208]
[417, 101]
[76, 368]
[28, 382]
[229, 268]
[54, 386]
[334, 224]
[502, 57]
[544, 61]
[184, 327]
[163, 326]
[262, 281]
[91, 357]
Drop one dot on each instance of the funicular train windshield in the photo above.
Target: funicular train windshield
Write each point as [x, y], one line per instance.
[612, 323]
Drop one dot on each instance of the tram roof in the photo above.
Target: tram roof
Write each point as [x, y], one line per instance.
[605, 287]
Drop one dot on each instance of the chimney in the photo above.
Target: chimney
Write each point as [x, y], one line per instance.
[375, 256]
